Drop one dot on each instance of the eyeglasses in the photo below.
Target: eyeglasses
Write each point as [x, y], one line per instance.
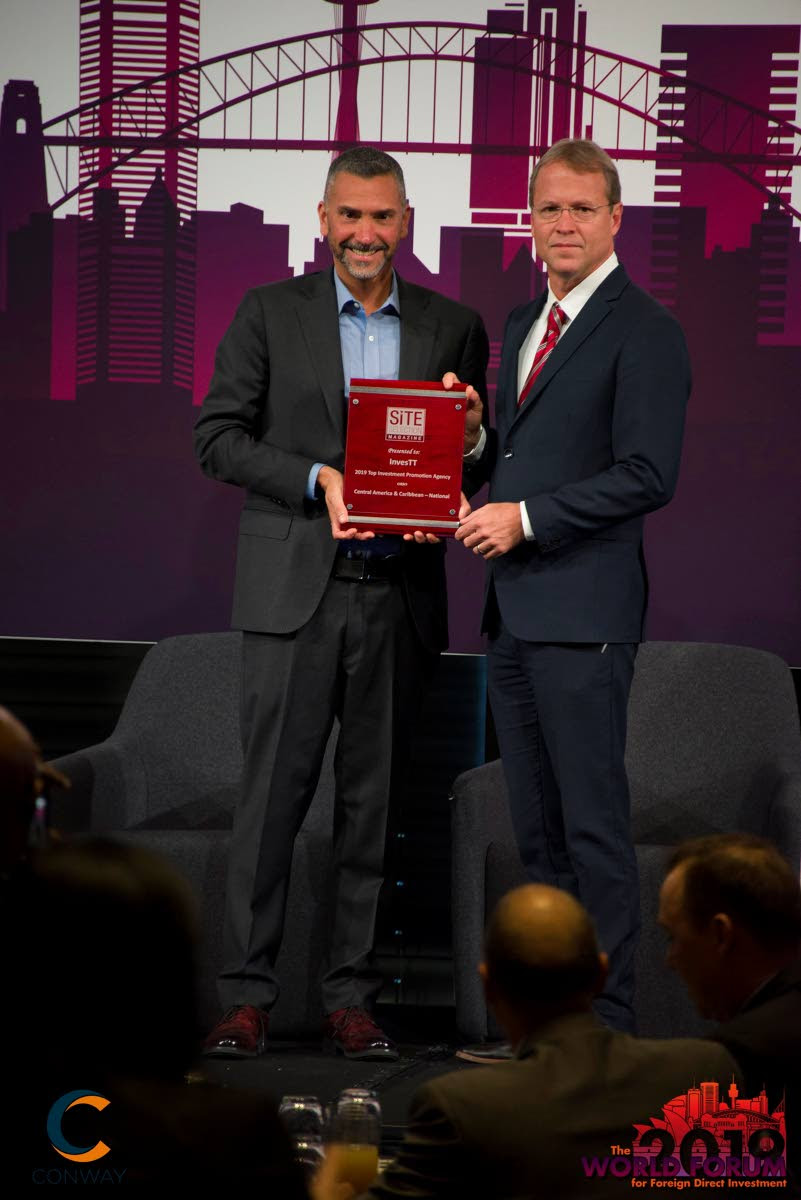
[581, 213]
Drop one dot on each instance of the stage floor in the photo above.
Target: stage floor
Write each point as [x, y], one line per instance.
[301, 1068]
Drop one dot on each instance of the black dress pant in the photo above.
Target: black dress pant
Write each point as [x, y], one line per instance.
[560, 712]
[358, 659]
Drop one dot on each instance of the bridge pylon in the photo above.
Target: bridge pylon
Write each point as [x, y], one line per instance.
[347, 126]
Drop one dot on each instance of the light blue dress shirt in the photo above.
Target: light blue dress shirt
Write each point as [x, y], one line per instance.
[370, 345]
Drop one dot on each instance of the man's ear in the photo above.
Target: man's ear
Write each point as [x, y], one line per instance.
[723, 932]
[603, 972]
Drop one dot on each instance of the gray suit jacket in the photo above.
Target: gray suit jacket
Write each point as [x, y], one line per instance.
[276, 406]
[521, 1128]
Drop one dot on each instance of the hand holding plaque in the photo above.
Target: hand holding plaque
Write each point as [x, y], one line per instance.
[403, 457]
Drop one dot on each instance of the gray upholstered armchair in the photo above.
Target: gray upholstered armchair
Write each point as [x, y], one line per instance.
[713, 746]
[168, 777]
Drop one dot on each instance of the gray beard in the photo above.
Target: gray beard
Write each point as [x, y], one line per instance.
[361, 272]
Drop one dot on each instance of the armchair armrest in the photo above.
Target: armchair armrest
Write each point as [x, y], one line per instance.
[481, 828]
[108, 789]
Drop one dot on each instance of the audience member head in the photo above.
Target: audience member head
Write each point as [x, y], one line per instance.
[22, 778]
[541, 958]
[112, 938]
[731, 906]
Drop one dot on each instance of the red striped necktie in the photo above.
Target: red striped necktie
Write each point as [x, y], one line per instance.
[556, 323]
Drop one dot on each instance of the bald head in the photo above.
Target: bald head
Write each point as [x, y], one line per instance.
[541, 952]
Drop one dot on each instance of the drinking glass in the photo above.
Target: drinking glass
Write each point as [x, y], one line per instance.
[355, 1135]
[303, 1119]
[363, 1097]
[302, 1116]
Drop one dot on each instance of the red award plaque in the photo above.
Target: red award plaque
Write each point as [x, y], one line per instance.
[403, 458]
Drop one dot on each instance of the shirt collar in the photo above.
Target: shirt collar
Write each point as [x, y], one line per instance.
[345, 297]
[578, 296]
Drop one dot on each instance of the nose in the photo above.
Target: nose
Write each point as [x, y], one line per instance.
[565, 223]
[365, 231]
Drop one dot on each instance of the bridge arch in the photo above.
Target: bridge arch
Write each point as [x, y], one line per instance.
[694, 123]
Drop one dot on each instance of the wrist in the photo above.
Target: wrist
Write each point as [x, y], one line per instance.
[474, 443]
[325, 477]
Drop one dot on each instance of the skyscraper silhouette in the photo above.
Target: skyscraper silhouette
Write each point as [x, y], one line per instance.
[23, 188]
[136, 299]
[738, 61]
[502, 91]
[123, 42]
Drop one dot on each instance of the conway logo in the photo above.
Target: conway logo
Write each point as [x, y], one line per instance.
[81, 1154]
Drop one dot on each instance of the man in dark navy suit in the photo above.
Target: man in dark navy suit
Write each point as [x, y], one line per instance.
[592, 390]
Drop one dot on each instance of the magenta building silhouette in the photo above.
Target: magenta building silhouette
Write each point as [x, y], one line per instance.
[121, 43]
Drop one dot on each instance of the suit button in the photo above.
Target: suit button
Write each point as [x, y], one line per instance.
[508, 454]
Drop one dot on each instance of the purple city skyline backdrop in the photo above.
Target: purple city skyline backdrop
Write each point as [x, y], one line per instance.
[109, 316]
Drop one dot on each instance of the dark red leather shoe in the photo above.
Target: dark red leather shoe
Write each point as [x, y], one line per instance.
[354, 1033]
[240, 1033]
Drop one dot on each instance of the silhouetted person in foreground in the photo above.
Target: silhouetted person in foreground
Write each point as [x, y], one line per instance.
[105, 959]
[23, 777]
[574, 1089]
[731, 906]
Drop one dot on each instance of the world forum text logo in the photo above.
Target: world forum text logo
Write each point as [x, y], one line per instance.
[701, 1141]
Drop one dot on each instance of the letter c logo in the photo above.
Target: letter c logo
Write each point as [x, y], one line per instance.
[57, 1139]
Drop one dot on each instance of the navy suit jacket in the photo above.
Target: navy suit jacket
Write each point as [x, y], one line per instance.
[595, 447]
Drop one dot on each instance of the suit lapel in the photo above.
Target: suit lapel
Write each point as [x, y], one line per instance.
[597, 309]
[418, 333]
[319, 325]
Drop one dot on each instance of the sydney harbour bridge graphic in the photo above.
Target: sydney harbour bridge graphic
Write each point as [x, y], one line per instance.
[564, 80]
[498, 92]
[117, 308]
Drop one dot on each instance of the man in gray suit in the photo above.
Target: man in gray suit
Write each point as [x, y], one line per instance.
[573, 1091]
[336, 623]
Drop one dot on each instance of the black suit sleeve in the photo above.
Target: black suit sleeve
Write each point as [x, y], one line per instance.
[477, 473]
[472, 366]
[473, 369]
[227, 431]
